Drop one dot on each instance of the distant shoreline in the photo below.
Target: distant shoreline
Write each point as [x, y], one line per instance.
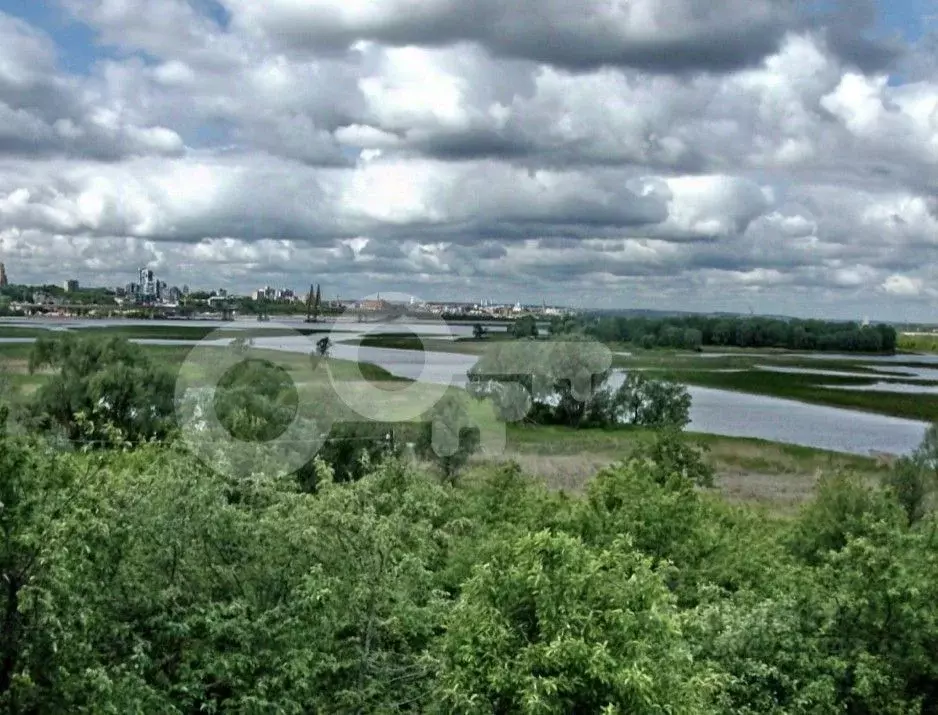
[342, 318]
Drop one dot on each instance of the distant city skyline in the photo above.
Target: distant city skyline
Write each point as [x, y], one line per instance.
[472, 295]
[172, 293]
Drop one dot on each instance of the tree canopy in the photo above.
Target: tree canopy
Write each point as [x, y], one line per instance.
[101, 390]
[566, 381]
[136, 579]
[693, 331]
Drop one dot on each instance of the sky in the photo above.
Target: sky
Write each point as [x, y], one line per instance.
[771, 156]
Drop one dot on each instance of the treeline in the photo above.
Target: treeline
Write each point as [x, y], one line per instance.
[84, 296]
[696, 331]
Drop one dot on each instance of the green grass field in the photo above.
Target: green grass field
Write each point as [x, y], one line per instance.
[698, 369]
[918, 343]
[409, 341]
[812, 388]
[685, 367]
[21, 331]
[778, 476]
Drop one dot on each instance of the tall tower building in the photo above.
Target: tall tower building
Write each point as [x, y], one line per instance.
[3, 276]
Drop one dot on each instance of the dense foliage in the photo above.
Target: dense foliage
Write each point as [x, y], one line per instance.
[139, 580]
[135, 582]
[82, 296]
[255, 400]
[566, 382]
[524, 327]
[101, 391]
[693, 331]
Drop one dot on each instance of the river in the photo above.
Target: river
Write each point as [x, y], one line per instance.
[713, 411]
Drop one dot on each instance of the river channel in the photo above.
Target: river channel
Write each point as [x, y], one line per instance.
[713, 411]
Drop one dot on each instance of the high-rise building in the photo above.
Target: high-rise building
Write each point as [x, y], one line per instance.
[3, 276]
[147, 288]
[70, 286]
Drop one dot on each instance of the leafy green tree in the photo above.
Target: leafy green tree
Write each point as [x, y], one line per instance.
[101, 388]
[34, 493]
[562, 381]
[648, 341]
[767, 650]
[565, 381]
[643, 401]
[911, 481]
[843, 508]
[883, 638]
[671, 336]
[927, 451]
[525, 327]
[353, 449]
[746, 332]
[548, 625]
[671, 456]
[256, 400]
[662, 514]
[888, 337]
[692, 339]
[722, 333]
[152, 593]
[447, 437]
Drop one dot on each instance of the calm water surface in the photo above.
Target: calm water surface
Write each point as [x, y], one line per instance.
[713, 411]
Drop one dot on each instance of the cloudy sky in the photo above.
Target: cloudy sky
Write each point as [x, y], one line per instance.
[771, 155]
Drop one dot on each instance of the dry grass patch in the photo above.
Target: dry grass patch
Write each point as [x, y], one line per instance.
[783, 494]
[568, 472]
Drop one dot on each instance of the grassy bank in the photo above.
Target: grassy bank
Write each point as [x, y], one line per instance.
[740, 372]
[14, 366]
[780, 477]
[409, 341]
[918, 343]
[812, 389]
